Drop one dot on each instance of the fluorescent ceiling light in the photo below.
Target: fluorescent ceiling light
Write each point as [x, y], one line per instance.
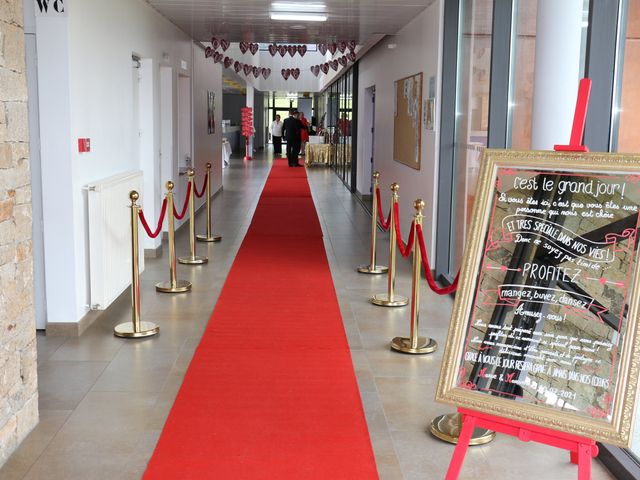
[301, 17]
[298, 7]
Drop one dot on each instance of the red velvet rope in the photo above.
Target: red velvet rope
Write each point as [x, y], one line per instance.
[427, 269]
[186, 204]
[384, 223]
[405, 250]
[143, 220]
[204, 187]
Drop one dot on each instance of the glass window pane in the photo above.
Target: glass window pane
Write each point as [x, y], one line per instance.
[472, 113]
[628, 138]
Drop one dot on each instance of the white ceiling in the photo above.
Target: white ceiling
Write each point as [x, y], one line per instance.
[248, 20]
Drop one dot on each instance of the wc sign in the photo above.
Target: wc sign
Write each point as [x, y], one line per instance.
[50, 8]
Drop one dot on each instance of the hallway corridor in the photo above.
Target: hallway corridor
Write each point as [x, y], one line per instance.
[104, 400]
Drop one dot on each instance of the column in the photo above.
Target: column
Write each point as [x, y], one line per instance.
[557, 70]
[250, 103]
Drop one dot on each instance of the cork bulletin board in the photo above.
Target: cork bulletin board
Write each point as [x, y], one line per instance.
[545, 323]
[407, 122]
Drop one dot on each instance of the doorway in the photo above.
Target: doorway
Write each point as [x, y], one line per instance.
[184, 122]
[368, 157]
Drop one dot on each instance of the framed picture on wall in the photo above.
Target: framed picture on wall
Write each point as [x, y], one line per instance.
[211, 109]
[407, 121]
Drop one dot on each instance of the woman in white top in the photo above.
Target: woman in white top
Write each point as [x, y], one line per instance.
[276, 136]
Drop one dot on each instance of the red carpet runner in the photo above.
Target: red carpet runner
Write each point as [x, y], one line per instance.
[271, 392]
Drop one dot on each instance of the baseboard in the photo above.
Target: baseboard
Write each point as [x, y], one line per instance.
[73, 329]
[153, 252]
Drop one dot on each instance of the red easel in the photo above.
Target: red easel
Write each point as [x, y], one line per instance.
[581, 449]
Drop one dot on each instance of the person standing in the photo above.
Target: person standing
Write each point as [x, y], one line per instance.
[276, 135]
[291, 132]
[304, 133]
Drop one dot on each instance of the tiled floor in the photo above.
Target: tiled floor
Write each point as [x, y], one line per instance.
[104, 400]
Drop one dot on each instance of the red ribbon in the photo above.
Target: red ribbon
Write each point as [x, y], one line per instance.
[384, 223]
[143, 220]
[405, 250]
[186, 204]
[204, 187]
[427, 269]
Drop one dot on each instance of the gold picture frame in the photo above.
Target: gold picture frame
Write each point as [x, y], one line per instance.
[532, 400]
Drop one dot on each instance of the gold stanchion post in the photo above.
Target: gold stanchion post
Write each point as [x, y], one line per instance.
[415, 344]
[390, 299]
[209, 237]
[192, 259]
[372, 268]
[136, 328]
[173, 285]
[447, 428]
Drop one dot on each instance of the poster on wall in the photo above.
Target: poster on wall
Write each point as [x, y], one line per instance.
[407, 121]
[545, 322]
[211, 115]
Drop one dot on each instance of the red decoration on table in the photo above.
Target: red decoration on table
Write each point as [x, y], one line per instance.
[246, 114]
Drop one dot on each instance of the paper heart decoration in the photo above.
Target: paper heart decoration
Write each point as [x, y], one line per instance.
[215, 43]
[273, 49]
[224, 44]
[351, 56]
[324, 67]
[253, 48]
[266, 72]
[322, 47]
[217, 57]
[315, 70]
[302, 49]
[295, 73]
[282, 50]
[247, 69]
[343, 61]
[237, 66]
[342, 46]
[243, 47]
[227, 62]
[332, 48]
[208, 52]
[285, 73]
[352, 45]
[334, 64]
[292, 49]
[256, 72]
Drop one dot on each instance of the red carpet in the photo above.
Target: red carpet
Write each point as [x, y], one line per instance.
[270, 392]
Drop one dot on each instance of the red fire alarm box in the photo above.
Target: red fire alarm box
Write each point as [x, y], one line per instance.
[84, 145]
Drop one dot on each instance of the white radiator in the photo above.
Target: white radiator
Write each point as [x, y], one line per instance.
[110, 236]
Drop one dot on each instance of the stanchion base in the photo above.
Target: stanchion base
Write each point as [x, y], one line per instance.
[125, 330]
[425, 345]
[248, 158]
[447, 428]
[212, 238]
[181, 286]
[193, 260]
[382, 300]
[372, 270]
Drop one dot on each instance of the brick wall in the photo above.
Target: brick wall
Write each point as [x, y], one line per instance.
[18, 372]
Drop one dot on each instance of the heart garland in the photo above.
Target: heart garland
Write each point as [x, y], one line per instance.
[224, 44]
[208, 52]
[315, 70]
[273, 49]
[302, 49]
[253, 48]
[228, 62]
[342, 46]
[244, 46]
[325, 68]
[286, 72]
[215, 43]
[343, 61]
[352, 45]
[292, 49]
[351, 56]
[322, 47]
[247, 69]
[266, 72]
[282, 50]
[217, 57]
[237, 66]
[256, 72]
[334, 64]
[295, 73]
[334, 47]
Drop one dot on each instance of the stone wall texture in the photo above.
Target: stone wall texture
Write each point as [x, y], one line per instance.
[18, 370]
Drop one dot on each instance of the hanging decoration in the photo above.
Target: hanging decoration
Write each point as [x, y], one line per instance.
[286, 72]
[266, 72]
[273, 49]
[334, 64]
[337, 47]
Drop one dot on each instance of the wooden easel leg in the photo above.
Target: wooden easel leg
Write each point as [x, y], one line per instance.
[468, 425]
[584, 462]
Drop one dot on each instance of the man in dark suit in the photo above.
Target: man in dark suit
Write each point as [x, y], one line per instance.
[291, 132]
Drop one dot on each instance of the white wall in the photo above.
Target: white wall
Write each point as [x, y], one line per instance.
[418, 50]
[85, 69]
